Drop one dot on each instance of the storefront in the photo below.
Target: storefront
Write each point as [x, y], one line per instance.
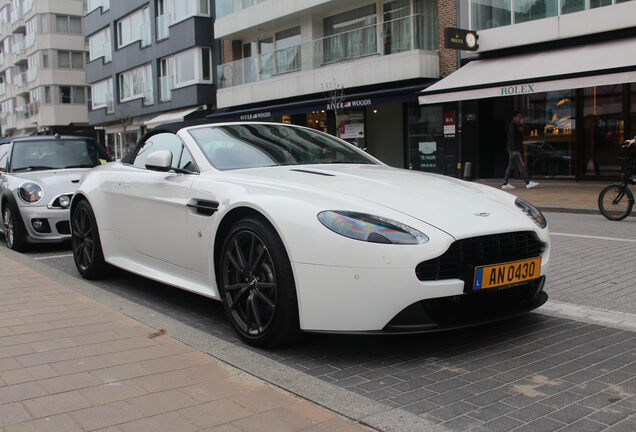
[575, 115]
[377, 121]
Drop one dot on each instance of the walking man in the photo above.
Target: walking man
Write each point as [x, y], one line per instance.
[514, 139]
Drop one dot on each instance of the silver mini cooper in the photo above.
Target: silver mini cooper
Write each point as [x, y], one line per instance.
[38, 176]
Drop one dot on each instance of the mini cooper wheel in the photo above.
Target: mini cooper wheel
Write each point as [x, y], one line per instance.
[257, 286]
[87, 248]
[14, 232]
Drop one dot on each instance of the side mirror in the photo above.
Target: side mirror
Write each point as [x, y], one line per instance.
[161, 160]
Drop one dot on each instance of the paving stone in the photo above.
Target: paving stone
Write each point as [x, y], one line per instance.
[583, 426]
[447, 385]
[69, 382]
[383, 393]
[413, 384]
[487, 398]
[59, 423]
[540, 425]
[377, 384]
[12, 413]
[215, 413]
[167, 422]
[462, 423]
[262, 400]
[22, 375]
[56, 404]
[412, 396]
[561, 399]
[531, 412]
[452, 396]
[570, 413]
[112, 392]
[501, 424]
[105, 415]
[600, 400]
[453, 410]
[20, 392]
[491, 412]
[611, 415]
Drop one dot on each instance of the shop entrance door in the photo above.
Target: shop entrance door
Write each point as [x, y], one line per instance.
[494, 114]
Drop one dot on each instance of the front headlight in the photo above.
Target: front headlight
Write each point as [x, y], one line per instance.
[532, 212]
[30, 192]
[374, 229]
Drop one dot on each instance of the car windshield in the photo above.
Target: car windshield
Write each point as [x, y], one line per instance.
[33, 155]
[239, 146]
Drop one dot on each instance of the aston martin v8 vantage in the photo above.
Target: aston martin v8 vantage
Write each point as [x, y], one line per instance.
[295, 230]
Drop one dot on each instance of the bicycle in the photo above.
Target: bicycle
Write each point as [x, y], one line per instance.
[616, 201]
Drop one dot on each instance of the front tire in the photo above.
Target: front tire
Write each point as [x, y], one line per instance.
[256, 284]
[14, 231]
[87, 247]
[615, 202]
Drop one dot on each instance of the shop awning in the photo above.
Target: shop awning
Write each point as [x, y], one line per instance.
[604, 63]
[171, 116]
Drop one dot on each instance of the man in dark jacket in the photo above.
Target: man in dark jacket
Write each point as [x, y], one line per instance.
[514, 142]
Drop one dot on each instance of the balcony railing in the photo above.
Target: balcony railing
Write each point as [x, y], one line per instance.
[31, 74]
[165, 88]
[403, 34]
[19, 79]
[163, 21]
[16, 14]
[226, 7]
[18, 45]
[29, 40]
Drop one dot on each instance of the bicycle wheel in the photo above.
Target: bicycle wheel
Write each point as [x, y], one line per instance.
[615, 202]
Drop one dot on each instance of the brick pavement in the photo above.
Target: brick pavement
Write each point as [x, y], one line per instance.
[68, 363]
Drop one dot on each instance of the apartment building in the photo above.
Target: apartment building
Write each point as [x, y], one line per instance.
[150, 62]
[352, 68]
[43, 53]
[569, 66]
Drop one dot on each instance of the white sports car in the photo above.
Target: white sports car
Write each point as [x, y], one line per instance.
[295, 230]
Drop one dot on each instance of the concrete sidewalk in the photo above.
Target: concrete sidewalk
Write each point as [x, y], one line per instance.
[556, 195]
[68, 363]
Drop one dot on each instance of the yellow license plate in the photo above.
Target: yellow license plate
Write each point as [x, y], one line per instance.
[507, 274]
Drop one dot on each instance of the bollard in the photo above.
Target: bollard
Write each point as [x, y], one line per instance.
[468, 170]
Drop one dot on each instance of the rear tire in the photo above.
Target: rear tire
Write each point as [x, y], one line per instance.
[256, 284]
[13, 227]
[612, 208]
[87, 247]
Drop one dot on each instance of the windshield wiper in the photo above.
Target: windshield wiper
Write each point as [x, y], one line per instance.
[34, 168]
[80, 166]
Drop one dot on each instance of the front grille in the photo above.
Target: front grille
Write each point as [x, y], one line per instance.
[462, 256]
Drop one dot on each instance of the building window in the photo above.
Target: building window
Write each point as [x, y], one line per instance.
[68, 24]
[65, 94]
[47, 95]
[185, 72]
[102, 93]
[29, 38]
[350, 35]
[206, 64]
[488, 14]
[70, 59]
[94, 4]
[99, 45]
[183, 69]
[78, 95]
[135, 84]
[134, 27]
[529, 10]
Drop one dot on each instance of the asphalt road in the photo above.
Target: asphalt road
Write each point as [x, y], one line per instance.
[536, 372]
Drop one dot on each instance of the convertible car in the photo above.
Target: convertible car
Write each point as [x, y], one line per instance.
[295, 230]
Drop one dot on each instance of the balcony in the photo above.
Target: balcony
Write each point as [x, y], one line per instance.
[16, 14]
[1, 58]
[163, 22]
[31, 74]
[20, 79]
[165, 88]
[3, 89]
[416, 32]
[18, 45]
[29, 40]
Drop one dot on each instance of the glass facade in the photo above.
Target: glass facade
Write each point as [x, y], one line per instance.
[486, 14]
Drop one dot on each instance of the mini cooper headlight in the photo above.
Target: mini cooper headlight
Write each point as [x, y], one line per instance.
[374, 229]
[30, 192]
[532, 212]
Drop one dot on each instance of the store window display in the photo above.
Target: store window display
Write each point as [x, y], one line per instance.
[549, 126]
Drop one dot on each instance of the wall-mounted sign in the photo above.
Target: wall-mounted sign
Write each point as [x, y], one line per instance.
[255, 116]
[356, 103]
[449, 124]
[461, 39]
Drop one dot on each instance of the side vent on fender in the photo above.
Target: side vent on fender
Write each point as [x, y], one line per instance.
[205, 208]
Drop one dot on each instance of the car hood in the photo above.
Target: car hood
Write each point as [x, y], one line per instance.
[460, 208]
[53, 182]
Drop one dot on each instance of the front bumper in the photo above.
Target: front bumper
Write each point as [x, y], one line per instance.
[355, 300]
[57, 220]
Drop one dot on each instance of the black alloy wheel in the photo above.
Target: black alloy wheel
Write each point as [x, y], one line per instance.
[256, 284]
[13, 229]
[87, 250]
[615, 202]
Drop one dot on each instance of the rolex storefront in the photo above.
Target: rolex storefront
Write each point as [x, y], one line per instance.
[575, 116]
